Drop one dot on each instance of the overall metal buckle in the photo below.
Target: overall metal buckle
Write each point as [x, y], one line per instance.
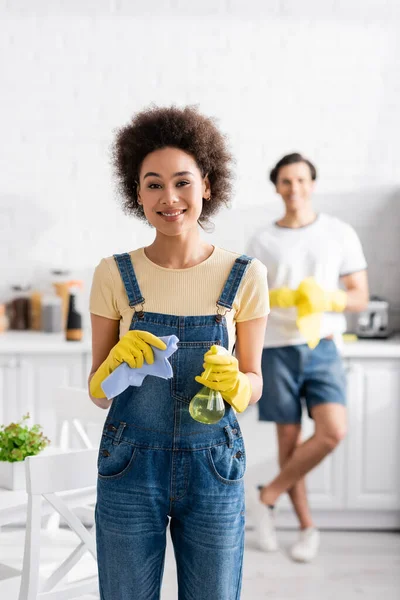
[139, 313]
[221, 312]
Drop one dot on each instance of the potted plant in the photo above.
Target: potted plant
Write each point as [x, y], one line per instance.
[17, 441]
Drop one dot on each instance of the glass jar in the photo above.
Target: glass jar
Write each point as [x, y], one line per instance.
[20, 308]
[51, 313]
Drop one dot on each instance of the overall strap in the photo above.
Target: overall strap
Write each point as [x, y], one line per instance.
[231, 286]
[128, 276]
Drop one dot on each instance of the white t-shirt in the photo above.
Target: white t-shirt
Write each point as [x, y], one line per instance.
[327, 249]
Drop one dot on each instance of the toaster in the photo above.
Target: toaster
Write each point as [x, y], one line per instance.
[374, 321]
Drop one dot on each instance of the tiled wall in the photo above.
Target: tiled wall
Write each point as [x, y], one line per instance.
[282, 75]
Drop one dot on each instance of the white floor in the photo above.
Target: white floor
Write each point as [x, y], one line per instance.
[350, 566]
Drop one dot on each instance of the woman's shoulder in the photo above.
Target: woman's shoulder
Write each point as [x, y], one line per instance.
[134, 254]
[106, 273]
[109, 263]
[256, 268]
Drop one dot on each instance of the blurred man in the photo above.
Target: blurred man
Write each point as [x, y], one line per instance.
[307, 254]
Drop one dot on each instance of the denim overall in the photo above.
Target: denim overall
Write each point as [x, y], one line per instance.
[156, 463]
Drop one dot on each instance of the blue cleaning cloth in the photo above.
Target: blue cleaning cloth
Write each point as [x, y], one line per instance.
[124, 376]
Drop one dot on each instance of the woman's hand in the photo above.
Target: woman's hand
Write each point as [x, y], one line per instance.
[221, 372]
[134, 348]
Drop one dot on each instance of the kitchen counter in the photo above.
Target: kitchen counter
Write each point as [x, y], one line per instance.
[20, 342]
[389, 348]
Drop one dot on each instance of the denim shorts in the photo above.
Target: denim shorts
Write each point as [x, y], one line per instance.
[294, 375]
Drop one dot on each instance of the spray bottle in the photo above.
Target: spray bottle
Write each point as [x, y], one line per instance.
[207, 406]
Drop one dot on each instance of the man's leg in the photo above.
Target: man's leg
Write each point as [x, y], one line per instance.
[289, 438]
[330, 429]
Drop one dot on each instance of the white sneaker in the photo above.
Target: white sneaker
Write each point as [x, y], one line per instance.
[264, 522]
[306, 548]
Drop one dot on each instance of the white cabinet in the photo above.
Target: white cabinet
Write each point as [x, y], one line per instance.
[373, 443]
[27, 382]
[358, 485]
[8, 387]
[39, 375]
[87, 365]
[325, 482]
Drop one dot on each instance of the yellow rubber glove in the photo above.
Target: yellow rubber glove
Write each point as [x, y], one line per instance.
[311, 301]
[312, 298]
[336, 300]
[310, 328]
[133, 348]
[223, 375]
[282, 297]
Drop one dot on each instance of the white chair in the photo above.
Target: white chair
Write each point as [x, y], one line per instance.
[54, 478]
[75, 414]
[76, 417]
[13, 509]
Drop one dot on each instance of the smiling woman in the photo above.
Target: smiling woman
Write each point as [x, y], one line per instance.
[169, 196]
[156, 462]
[186, 129]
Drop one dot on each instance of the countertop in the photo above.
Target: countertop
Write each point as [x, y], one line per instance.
[389, 348]
[22, 342]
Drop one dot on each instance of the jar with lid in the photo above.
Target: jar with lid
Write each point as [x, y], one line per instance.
[20, 308]
[61, 282]
[51, 312]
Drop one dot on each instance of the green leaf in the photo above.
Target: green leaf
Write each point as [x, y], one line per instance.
[18, 440]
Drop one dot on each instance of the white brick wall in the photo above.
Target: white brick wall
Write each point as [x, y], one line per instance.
[318, 76]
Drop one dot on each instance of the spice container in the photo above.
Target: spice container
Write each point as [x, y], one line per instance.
[36, 310]
[20, 308]
[61, 283]
[51, 313]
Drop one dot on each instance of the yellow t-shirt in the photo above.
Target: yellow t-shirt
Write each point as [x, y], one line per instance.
[182, 292]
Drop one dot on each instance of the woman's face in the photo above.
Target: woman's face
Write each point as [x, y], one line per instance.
[171, 190]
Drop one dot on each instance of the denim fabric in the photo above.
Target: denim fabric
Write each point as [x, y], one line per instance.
[294, 373]
[157, 465]
[232, 283]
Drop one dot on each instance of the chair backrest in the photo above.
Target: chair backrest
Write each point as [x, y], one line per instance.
[73, 402]
[51, 473]
[55, 478]
[76, 413]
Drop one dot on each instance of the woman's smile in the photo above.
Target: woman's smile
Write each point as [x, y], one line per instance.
[171, 215]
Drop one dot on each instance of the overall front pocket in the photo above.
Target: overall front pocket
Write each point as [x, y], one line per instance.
[115, 460]
[228, 465]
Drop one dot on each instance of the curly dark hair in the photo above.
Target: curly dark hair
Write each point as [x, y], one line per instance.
[290, 159]
[184, 128]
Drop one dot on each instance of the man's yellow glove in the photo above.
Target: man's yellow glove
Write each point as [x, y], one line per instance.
[222, 373]
[312, 298]
[282, 297]
[311, 301]
[133, 348]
